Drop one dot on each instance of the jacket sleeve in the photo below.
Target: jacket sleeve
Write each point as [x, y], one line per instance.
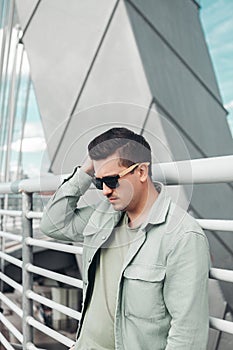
[186, 293]
[61, 218]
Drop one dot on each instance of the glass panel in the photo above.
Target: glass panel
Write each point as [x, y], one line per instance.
[22, 144]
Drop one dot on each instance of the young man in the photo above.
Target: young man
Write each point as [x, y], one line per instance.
[145, 260]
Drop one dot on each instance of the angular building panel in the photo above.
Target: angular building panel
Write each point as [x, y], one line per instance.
[178, 91]
[116, 92]
[61, 42]
[178, 24]
[25, 11]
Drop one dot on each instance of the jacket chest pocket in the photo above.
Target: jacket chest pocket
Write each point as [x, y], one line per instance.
[143, 291]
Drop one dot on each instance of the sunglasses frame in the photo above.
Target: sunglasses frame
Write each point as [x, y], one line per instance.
[105, 179]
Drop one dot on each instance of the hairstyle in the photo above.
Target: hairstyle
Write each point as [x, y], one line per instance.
[131, 147]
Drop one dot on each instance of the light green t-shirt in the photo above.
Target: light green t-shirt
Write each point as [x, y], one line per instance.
[98, 327]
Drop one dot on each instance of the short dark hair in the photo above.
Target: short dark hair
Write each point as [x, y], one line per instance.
[131, 147]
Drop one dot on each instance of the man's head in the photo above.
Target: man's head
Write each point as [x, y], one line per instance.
[131, 147]
[122, 164]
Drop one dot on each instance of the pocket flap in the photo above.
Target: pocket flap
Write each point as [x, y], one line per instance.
[145, 273]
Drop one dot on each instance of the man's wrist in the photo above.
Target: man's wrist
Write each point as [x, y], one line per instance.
[88, 167]
[81, 180]
[88, 170]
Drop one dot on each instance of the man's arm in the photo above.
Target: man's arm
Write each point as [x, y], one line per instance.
[186, 293]
[61, 219]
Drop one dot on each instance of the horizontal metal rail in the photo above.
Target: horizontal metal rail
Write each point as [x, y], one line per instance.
[43, 184]
[11, 236]
[208, 224]
[11, 305]
[5, 342]
[31, 346]
[11, 259]
[11, 282]
[216, 225]
[11, 328]
[221, 274]
[34, 215]
[54, 245]
[46, 330]
[53, 305]
[55, 276]
[15, 213]
[221, 325]
[196, 171]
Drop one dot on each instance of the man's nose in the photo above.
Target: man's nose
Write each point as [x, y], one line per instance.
[106, 190]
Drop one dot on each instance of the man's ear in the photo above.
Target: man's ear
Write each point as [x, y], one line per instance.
[143, 171]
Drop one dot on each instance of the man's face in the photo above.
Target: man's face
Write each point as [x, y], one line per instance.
[125, 196]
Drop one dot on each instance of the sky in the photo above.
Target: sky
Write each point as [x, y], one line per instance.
[216, 17]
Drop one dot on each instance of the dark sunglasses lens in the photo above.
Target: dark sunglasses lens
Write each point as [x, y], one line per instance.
[98, 183]
[111, 182]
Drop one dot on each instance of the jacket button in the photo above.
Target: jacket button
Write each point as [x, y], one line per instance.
[103, 238]
[89, 260]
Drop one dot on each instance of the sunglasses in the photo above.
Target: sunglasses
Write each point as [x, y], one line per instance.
[112, 181]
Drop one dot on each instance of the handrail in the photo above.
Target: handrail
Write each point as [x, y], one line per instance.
[53, 334]
[53, 305]
[11, 282]
[14, 213]
[221, 274]
[221, 325]
[11, 236]
[216, 225]
[55, 276]
[5, 342]
[11, 305]
[11, 328]
[31, 346]
[11, 259]
[34, 215]
[54, 245]
[193, 171]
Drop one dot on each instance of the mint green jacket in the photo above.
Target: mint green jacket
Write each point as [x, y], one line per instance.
[162, 300]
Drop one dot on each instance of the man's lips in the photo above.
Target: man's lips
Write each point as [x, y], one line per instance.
[112, 199]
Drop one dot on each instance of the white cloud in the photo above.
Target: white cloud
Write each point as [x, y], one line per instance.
[33, 129]
[30, 145]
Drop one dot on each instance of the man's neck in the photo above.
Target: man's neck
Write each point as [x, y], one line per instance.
[136, 218]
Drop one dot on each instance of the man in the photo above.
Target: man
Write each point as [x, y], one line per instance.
[145, 260]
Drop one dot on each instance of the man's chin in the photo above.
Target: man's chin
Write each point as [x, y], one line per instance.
[118, 207]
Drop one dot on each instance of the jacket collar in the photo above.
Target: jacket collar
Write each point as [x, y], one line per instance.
[159, 210]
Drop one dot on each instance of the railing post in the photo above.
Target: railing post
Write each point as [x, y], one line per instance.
[27, 255]
[1, 248]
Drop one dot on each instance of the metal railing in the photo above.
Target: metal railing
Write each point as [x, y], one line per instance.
[202, 172]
